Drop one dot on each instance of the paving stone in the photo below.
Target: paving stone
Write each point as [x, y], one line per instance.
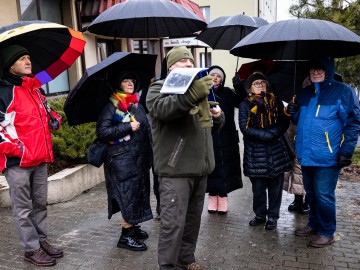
[81, 227]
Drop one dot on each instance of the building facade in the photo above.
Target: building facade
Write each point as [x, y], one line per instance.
[77, 14]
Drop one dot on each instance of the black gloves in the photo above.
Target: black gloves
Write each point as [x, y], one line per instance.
[343, 161]
[292, 108]
[199, 89]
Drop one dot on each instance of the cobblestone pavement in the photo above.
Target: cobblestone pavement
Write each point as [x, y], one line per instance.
[89, 239]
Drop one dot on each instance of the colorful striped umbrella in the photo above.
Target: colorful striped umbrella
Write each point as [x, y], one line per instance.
[53, 47]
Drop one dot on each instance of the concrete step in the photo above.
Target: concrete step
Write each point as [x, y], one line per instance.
[63, 186]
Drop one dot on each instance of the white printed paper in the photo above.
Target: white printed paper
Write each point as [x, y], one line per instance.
[179, 80]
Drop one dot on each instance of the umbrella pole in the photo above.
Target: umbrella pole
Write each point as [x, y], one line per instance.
[296, 47]
[237, 64]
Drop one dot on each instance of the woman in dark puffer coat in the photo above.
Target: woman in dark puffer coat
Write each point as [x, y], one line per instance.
[262, 122]
[226, 176]
[123, 123]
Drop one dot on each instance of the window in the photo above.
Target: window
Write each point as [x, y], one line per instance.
[202, 60]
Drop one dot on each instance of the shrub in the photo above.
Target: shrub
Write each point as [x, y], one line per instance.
[70, 144]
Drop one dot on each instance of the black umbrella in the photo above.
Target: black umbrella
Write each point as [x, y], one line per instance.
[90, 94]
[146, 19]
[224, 32]
[298, 39]
[281, 78]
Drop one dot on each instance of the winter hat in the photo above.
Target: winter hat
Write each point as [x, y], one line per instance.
[219, 72]
[178, 53]
[129, 75]
[11, 54]
[255, 76]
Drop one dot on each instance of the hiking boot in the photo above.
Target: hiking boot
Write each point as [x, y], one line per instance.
[128, 240]
[51, 250]
[213, 204]
[39, 257]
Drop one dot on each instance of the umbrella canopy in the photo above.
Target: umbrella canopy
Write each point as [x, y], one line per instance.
[247, 69]
[298, 39]
[146, 19]
[53, 47]
[281, 77]
[90, 94]
[224, 32]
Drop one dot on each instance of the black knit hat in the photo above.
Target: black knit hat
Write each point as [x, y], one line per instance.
[129, 75]
[255, 76]
[11, 54]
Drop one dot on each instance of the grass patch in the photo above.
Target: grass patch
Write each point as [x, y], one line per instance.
[356, 157]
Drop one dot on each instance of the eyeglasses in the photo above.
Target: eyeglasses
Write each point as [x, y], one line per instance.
[259, 83]
[317, 70]
[129, 81]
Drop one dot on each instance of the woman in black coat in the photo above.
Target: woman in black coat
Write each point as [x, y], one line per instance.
[123, 123]
[226, 176]
[262, 122]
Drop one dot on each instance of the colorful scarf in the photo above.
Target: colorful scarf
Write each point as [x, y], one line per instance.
[122, 102]
[263, 113]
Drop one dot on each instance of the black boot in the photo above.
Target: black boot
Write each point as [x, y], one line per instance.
[305, 208]
[140, 234]
[128, 241]
[296, 204]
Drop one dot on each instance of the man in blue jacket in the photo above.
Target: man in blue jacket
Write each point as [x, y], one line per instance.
[327, 116]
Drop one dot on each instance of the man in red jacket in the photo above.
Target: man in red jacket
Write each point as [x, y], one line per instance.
[25, 150]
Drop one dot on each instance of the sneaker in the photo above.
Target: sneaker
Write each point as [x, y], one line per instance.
[222, 205]
[193, 266]
[51, 250]
[213, 204]
[39, 257]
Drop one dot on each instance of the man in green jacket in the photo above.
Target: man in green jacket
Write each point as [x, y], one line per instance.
[183, 158]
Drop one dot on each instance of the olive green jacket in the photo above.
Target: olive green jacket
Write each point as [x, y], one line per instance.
[181, 147]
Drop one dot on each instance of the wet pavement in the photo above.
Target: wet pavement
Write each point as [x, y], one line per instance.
[89, 239]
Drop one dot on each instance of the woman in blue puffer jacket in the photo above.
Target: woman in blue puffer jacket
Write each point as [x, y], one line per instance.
[327, 116]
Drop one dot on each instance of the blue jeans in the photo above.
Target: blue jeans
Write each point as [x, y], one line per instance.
[320, 184]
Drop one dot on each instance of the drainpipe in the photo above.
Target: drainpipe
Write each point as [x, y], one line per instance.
[79, 26]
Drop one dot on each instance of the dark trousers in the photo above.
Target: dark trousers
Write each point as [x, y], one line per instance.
[182, 202]
[28, 193]
[267, 194]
